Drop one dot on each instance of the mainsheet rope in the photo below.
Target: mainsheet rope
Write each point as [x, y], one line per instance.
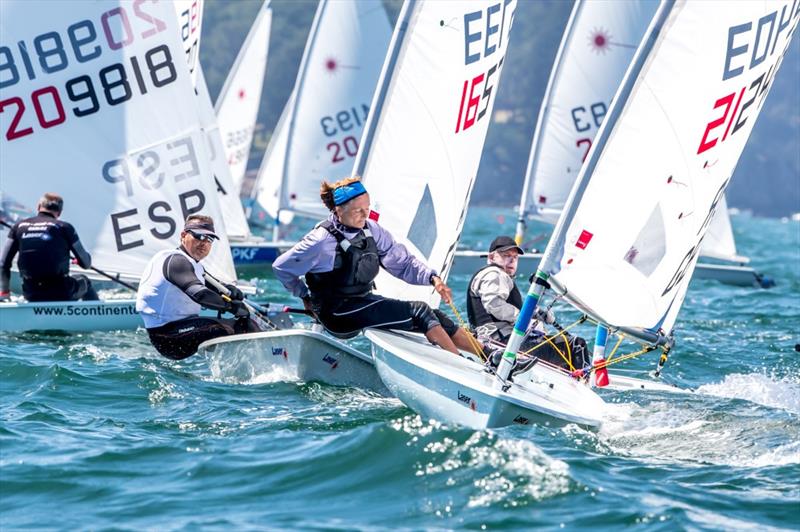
[473, 342]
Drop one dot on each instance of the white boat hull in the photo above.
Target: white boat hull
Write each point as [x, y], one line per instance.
[308, 355]
[71, 316]
[467, 262]
[439, 385]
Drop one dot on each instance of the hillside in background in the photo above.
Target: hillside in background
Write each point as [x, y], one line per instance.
[767, 179]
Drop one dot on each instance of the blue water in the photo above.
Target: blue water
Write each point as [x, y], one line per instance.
[98, 432]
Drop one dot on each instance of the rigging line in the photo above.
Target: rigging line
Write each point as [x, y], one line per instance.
[616, 330]
[548, 339]
[473, 342]
[621, 337]
[622, 358]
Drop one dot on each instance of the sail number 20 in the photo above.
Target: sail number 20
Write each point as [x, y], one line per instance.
[348, 122]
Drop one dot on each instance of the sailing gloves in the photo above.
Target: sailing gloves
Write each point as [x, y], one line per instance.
[235, 293]
[239, 309]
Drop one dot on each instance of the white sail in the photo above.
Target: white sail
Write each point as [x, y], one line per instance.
[627, 242]
[100, 108]
[235, 222]
[266, 194]
[329, 104]
[190, 26]
[238, 102]
[428, 123]
[597, 47]
[719, 242]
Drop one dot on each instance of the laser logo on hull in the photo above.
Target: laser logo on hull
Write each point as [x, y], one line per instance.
[330, 360]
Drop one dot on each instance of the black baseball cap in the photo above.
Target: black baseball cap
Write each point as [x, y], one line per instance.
[201, 227]
[504, 243]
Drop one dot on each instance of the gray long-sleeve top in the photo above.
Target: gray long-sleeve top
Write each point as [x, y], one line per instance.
[493, 286]
[317, 250]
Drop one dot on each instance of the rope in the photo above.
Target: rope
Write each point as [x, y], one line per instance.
[622, 358]
[611, 355]
[473, 342]
[549, 339]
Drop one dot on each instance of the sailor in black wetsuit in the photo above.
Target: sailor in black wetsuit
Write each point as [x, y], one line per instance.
[173, 291]
[494, 302]
[44, 244]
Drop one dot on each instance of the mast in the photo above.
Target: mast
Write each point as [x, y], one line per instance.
[552, 252]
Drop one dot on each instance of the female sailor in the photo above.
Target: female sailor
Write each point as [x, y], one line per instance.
[340, 259]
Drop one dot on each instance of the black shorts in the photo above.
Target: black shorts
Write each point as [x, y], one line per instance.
[348, 316]
[68, 288]
[179, 339]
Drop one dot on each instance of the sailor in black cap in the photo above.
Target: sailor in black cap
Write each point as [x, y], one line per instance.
[173, 290]
[494, 302]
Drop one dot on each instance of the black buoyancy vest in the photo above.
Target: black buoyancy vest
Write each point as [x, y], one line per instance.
[477, 313]
[44, 246]
[354, 268]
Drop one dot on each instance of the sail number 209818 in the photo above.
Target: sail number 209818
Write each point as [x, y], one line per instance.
[83, 42]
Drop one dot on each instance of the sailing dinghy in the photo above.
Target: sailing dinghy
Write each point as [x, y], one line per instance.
[119, 127]
[422, 200]
[430, 85]
[315, 139]
[597, 47]
[627, 239]
[318, 133]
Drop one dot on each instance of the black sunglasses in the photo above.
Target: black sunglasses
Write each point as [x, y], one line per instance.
[203, 238]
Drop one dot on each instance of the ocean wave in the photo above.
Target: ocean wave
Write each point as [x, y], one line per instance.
[771, 391]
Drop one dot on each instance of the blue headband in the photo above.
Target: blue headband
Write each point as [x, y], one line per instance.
[345, 193]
